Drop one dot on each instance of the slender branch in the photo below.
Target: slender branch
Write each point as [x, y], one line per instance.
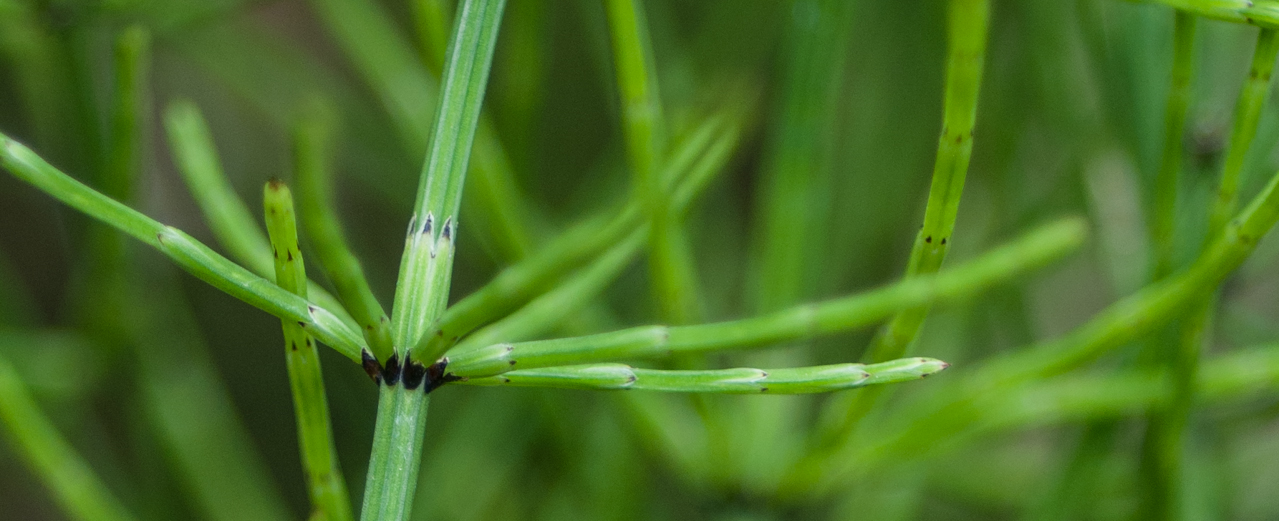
[370, 38]
[1034, 249]
[743, 380]
[312, 145]
[965, 58]
[1122, 322]
[78, 491]
[327, 488]
[190, 254]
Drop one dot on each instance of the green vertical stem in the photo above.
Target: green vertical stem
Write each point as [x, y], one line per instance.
[1165, 436]
[325, 484]
[312, 152]
[968, 20]
[423, 285]
[966, 55]
[671, 268]
[78, 491]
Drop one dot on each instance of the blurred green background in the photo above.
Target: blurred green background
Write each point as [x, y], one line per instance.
[183, 405]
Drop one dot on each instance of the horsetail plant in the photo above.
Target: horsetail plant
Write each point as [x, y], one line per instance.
[515, 330]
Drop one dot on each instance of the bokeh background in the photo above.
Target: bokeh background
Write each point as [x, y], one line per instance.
[181, 401]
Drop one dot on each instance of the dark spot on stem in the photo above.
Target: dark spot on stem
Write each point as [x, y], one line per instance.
[413, 372]
[943, 241]
[448, 229]
[391, 373]
[928, 239]
[763, 389]
[371, 366]
[290, 254]
[301, 324]
[437, 375]
[293, 345]
[428, 224]
[512, 362]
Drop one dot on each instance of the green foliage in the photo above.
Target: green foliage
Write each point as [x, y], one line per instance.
[776, 189]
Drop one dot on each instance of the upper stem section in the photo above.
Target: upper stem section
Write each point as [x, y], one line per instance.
[422, 288]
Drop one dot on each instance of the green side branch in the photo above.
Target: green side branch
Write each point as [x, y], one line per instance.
[326, 485]
[234, 226]
[1035, 249]
[1124, 321]
[312, 146]
[191, 255]
[742, 380]
[968, 21]
[704, 154]
[79, 492]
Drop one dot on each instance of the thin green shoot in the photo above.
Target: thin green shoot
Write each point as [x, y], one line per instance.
[325, 483]
[802, 380]
[425, 269]
[1166, 432]
[968, 20]
[191, 255]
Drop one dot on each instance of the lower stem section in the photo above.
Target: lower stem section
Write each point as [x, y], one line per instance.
[397, 453]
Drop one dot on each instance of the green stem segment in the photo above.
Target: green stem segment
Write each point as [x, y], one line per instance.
[966, 55]
[1036, 248]
[397, 453]
[423, 284]
[190, 254]
[743, 380]
[312, 145]
[327, 488]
